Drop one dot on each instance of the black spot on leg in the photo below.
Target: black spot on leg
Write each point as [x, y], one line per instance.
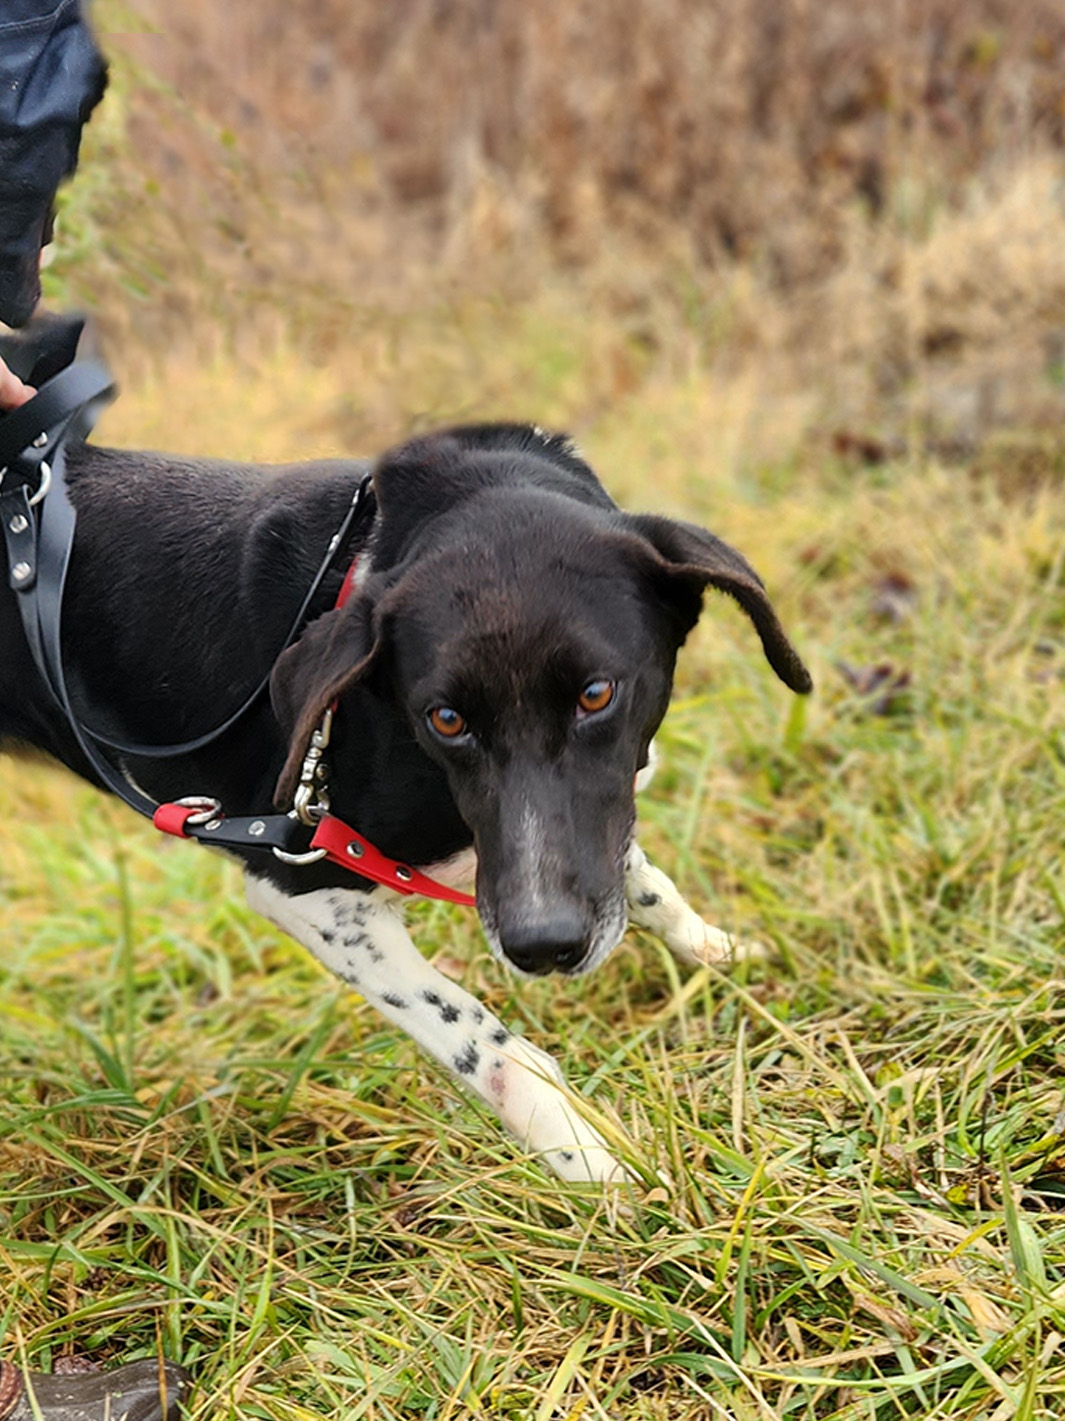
[500, 1036]
[478, 1015]
[359, 941]
[648, 900]
[467, 1061]
[327, 935]
[346, 913]
[392, 999]
[448, 1014]
[567, 1156]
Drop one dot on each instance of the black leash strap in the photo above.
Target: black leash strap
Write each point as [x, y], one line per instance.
[29, 435]
[31, 446]
[360, 501]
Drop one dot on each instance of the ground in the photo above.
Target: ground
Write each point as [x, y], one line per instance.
[851, 1155]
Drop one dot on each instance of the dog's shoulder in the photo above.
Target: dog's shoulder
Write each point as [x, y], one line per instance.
[228, 535]
[169, 495]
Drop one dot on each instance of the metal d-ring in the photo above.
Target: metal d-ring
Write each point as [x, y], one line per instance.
[311, 856]
[43, 486]
[205, 806]
[298, 860]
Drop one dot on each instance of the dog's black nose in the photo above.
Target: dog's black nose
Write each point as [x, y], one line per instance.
[556, 945]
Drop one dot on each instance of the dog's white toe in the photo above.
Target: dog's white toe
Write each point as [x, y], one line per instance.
[655, 903]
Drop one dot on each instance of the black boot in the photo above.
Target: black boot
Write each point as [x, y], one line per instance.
[139, 1391]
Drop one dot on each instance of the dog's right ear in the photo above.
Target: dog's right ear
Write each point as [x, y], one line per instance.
[333, 654]
[693, 560]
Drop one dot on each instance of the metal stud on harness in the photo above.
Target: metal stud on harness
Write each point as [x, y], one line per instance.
[38, 522]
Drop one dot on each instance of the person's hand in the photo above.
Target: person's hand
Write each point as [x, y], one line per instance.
[12, 391]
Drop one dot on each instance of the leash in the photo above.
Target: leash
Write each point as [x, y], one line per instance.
[39, 521]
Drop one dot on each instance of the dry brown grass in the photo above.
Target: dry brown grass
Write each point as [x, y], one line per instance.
[861, 201]
[750, 126]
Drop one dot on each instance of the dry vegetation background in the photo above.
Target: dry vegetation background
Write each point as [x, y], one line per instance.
[862, 201]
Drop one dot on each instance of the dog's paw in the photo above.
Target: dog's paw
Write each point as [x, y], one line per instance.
[655, 903]
[543, 1114]
[697, 943]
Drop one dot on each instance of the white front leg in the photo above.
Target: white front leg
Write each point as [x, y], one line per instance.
[362, 938]
[656, 903]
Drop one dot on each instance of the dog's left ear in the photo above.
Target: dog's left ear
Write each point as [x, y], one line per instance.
[331, 655]
[691, 560]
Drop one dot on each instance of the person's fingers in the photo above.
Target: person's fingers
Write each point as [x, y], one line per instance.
[12, 391]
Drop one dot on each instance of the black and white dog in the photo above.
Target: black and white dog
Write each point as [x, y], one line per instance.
[498, 672]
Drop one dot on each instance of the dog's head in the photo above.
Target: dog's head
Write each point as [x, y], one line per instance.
[526, 630]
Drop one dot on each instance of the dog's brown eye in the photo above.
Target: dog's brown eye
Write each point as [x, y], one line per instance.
[447, 723]
[596, 696]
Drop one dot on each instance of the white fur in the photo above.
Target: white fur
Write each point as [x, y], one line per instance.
[361, 937]
[647, 774]
[655, 903]
[459, 871]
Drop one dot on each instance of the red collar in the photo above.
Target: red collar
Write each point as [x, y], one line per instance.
[350, 850]
[347, 587]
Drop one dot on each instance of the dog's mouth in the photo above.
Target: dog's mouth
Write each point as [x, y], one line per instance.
[553, 943]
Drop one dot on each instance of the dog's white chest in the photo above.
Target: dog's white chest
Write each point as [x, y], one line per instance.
[458, 871]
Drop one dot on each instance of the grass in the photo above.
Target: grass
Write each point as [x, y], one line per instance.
[854, 1153]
